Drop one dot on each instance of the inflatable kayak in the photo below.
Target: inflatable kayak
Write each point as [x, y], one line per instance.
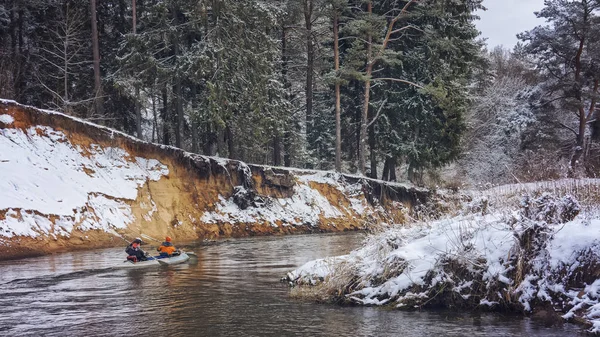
[181, 258]
[158, 260]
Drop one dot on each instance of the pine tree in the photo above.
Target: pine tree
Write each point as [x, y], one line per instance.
[566, 52]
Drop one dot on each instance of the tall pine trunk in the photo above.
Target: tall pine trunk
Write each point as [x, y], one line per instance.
[287, 128]
[277, 149]
[138, 112]
[389, 169]
[21, 60]
[362, 139]
[13, 46]
[310, 64]
[99, 100]
[373, 154]
[195, 145]
[134, 16]
[138, 109]
[177, 95]
[230, 142]
[165, 116]
[155, 121]
[338, 106]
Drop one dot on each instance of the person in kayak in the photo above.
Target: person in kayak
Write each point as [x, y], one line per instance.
[167, 249]
[134, 252]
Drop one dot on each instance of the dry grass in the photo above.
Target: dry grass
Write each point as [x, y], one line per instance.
[341, 281]
[586, 191]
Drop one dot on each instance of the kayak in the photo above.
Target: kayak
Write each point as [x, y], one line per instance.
[181, 258]
[158, 260]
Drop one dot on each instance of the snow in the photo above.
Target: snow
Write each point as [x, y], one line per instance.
[110, 214]
[424, 245]
[43, 174]
[305, 206]
[574, 237]
[407, 265]
[6, 119]
[315, 270]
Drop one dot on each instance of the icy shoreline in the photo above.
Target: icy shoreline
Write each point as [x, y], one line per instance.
[541, 257]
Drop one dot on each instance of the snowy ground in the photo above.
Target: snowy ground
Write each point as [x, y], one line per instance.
[534, 256]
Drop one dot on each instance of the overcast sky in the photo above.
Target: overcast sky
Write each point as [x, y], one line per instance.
[505, 18]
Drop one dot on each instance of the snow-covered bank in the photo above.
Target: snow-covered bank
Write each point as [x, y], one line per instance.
[44, 174]
[541, 256]
[69, 184]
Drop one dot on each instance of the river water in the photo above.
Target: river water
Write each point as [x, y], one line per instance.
[233, 289]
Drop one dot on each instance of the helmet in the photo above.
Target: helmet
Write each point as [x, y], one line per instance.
[168, 239]
[137, 240]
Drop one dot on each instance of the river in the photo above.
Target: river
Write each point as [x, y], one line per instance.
[233, 289]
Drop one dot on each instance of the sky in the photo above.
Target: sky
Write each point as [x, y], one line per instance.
[505, 18]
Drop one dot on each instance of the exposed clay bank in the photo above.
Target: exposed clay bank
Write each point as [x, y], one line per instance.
[67, 184]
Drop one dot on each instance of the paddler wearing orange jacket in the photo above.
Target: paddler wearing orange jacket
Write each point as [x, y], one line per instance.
[167, 248]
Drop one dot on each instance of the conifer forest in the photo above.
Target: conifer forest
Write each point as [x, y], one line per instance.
[390, 89]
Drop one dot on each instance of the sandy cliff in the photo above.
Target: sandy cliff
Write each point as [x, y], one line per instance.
[66, 184]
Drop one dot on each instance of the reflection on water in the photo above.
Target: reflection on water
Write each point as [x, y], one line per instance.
[233, 289]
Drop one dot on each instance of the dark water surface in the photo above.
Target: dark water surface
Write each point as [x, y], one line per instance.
[232, 290]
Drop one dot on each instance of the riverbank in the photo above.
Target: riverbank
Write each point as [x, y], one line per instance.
[539, 256]
[67, 184]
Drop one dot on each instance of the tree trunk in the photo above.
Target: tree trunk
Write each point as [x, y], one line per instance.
[138, 109]
[138, 113]
[165, 116]
[392, 167]
[373, 155]
[580, 138]
[13, 49]
[155, 121]
[66, 64]
[195, 145]
[338, 106]
[230, 142]
[362, 146]
[179, 111]
[99, 100]
[177, 94]
[20, 60]
[385, 176]
[287, 146]
[277, 150]
[310, 65]
[13, 29]
[213, 140]
[134, 16]
[389, 169]
[220, 133]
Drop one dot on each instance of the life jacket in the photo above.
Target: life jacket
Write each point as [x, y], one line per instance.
[139, 254]
[166, 248]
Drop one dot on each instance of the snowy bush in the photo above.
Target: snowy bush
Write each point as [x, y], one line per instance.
[549, 208]
[522, 260]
